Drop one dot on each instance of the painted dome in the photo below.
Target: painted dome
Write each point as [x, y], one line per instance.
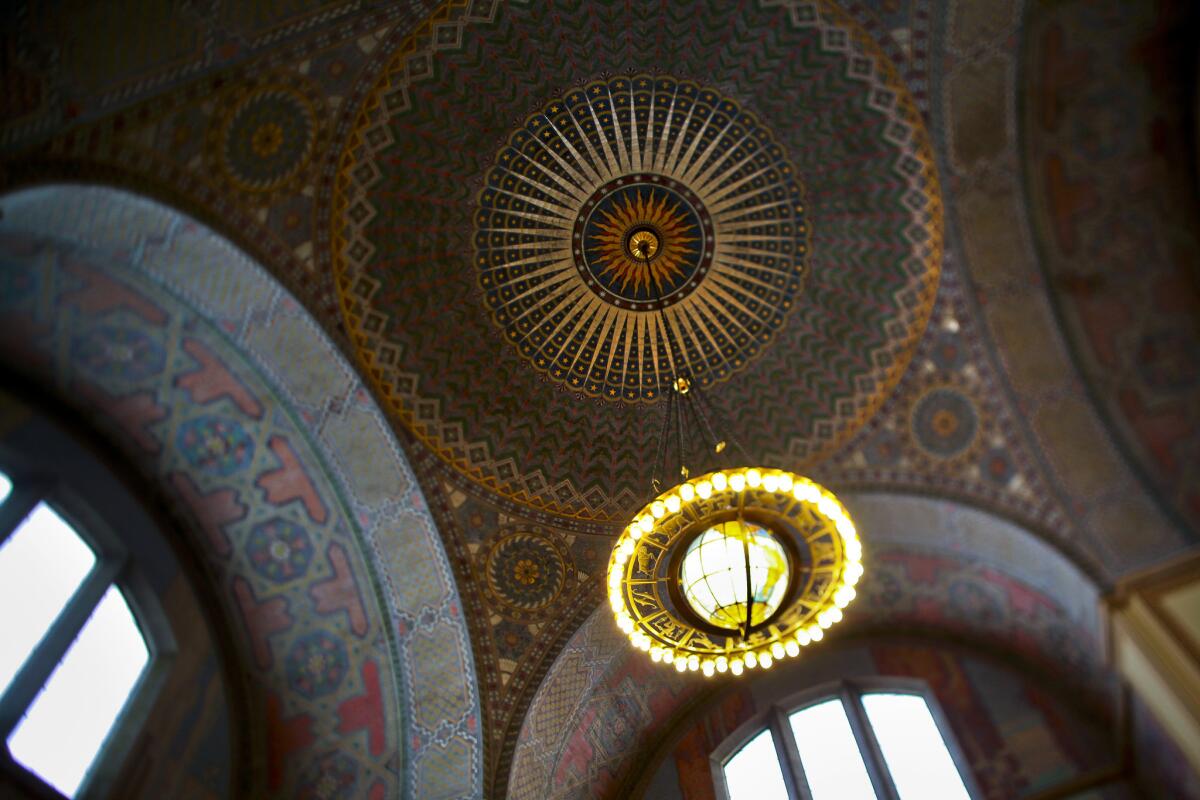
[512, 245]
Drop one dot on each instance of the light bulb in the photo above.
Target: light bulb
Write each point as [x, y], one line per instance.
[687, 492]
[704, 489]
[656, 654]
[765, 661]
[646, 523]
[828, 508]
[753, 478]
[737, 482]
[668, 656]
[750, 659]
[673, 503]
[777, 650]
[802, 638]
[658, 509]
[693, 663]
[708, 669]
[785, 482]
[815, 633]
[769, 482]
[791, 648]
[722, 663]
[680, 665]
[719, 481]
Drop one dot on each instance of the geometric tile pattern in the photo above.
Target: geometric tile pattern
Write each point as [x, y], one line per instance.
[1013, 332]
[1016, 733]
[1122, 490]
[933, 568]
[557, 271]
[1119, 248]
[358, 675]
[402, 261]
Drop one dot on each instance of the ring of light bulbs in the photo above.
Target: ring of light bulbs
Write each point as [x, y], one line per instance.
[636, 578]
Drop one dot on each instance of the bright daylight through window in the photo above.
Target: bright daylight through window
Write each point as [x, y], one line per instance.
[833, 756]
[73, 652]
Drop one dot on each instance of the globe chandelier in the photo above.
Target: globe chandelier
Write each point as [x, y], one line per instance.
[733, 569]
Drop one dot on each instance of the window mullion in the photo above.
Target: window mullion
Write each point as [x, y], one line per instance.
[789, 756]
[17, 507]
[34, 673]
[868, 745]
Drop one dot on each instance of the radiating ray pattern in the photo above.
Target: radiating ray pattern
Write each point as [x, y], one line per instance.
[678, 234]
[667, 155]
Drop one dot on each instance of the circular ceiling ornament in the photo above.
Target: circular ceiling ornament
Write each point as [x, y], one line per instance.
[262, 138]
[525, 572]
[497, 368]
[683, 605]
[945, 422]
[630, 196]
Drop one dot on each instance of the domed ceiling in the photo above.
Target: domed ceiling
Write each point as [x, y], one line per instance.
[498, 210]
[491, 201]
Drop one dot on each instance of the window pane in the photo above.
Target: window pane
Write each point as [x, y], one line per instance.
[5, 487]
[41, 566]
[829, 753]
[69, 719]
[914, 751]
[754, 773]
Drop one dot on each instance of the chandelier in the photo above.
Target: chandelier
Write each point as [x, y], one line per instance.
[733, 569]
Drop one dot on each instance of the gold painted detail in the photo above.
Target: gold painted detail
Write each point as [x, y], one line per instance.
[645, 242]
[825, 566]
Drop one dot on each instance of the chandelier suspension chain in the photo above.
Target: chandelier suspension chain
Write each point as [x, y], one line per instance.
[684, 386]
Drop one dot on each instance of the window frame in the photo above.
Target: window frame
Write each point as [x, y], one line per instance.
[114, 566]
[850, 691]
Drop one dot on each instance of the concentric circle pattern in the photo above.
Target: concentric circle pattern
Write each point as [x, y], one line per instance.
[524, 571]
[265, 137]
[823, 566]
[514, 230]
[945, 422]
[698, 178]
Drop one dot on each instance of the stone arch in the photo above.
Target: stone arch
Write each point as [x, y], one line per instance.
[1076, 234]
[218, 386]
[936, 568]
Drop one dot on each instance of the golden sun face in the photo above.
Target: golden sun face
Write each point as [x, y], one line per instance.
[646, 242]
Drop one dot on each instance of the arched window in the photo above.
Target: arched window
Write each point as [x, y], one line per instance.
[883, 740]
[74, 652]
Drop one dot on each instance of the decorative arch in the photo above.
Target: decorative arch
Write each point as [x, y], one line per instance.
[217, 385]
[935, 568]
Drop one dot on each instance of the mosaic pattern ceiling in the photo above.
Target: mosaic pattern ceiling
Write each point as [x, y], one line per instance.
[349, 149]
[643, 162]
[479, 262]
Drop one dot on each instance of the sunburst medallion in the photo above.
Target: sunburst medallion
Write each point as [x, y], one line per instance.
[640, 244]
[631, 206]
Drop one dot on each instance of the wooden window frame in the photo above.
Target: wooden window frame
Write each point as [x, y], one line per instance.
[850, 692]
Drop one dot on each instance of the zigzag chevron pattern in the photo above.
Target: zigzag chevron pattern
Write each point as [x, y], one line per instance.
[407, 195]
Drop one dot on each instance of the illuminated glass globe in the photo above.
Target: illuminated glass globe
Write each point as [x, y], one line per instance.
[713, 574]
